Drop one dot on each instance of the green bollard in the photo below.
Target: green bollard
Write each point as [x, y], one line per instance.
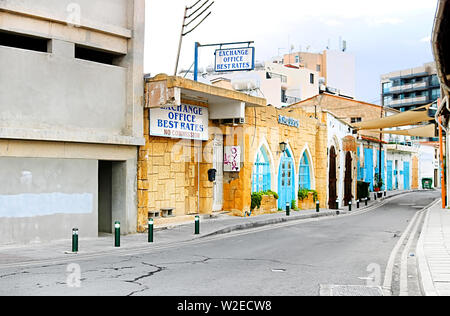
[317, 207]
[117, 234]
[288, 209]
[150, 230]
[75, 240]
[197, 225]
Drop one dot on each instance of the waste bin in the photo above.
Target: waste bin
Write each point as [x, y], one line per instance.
[427, 183]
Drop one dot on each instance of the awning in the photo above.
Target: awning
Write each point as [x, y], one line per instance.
[423, 131]
[422, 114]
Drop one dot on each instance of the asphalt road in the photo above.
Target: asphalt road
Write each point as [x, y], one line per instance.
[294, 259]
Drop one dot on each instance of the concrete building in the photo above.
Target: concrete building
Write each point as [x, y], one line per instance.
[71, 117]
[408, 89]
[336, 68]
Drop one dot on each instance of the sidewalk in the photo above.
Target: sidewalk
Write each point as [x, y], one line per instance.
[433, 252]
[163, 236]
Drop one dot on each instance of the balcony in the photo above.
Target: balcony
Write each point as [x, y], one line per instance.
[407, 87]
[408, 101]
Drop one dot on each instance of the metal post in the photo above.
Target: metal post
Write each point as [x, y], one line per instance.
[288, 209]
[318, 207]
[366, 200]
[75, 240]
[357, 204]
[197, 44]
[150, 230]
[350, 206]
[337, 204]
[375, 197]
[117, 234]
[197, 225]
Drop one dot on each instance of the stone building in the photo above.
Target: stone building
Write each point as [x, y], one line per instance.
[193, 129]
[71, 117]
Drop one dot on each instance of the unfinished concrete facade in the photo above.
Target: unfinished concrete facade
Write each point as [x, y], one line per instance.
[71, 117]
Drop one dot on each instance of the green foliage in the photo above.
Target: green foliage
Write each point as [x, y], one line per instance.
[304, 193]
[378, 182]
[257, 198]
[294, 205]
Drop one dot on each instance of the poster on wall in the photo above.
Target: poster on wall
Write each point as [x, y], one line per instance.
[183, 121]
[232, 159]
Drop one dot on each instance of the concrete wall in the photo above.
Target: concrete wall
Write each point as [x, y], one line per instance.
[41, 192]
[47, 92]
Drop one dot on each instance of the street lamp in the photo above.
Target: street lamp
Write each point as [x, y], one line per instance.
[283, 147]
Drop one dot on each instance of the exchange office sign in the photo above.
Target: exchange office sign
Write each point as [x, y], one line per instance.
[183, 121]
[235, 59]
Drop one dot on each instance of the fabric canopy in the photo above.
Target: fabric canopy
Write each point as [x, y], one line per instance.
[423, 131]
[402, 119]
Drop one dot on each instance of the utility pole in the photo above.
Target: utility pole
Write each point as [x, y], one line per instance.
[188, 19]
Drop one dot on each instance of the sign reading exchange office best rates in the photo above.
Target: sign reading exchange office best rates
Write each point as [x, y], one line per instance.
[182, 121]
[235, 59]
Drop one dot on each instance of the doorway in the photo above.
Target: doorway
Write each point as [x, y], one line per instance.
[348, 181]
[332, 180]
[111, 195]
[286, 181]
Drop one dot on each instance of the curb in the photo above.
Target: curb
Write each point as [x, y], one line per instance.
[327, 213]
[424, 273]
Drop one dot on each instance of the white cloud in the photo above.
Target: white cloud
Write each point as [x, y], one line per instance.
[426, 39]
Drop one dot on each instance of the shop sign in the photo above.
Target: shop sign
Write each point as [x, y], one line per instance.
[289, 121]
[232, 159]
[183, 121]
[235, 59]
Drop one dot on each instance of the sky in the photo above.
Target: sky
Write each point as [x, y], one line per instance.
[384, 35]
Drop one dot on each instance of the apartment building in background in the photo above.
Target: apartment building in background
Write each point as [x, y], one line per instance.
[71, 117]
[408, 89]
[336, 68]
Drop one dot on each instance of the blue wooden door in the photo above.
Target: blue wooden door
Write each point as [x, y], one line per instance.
[286, 184]
[389, 175]
[369, 167]
[406, 173]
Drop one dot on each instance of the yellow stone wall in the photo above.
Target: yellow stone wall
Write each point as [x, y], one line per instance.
[262, 127]
[168, 175]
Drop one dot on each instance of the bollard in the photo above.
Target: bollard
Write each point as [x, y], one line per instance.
[75, 240]
[375, 197]
[288, 209]
[366, 200]
[350, 206]
[318, 206]
[337, 204]
[117, 234]
[150, 230]
[357, 204]
[197, 225]
[385, 193]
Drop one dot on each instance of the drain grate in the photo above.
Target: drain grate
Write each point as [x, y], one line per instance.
[350, 290]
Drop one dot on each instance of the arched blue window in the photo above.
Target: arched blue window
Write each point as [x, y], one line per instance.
[305, 173]
[261, 180]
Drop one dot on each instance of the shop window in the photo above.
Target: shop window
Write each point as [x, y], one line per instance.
[305, 173]
[261, 179]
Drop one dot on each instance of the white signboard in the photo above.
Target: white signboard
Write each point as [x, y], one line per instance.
[235, 59]
[232, 159]
[183, 121]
